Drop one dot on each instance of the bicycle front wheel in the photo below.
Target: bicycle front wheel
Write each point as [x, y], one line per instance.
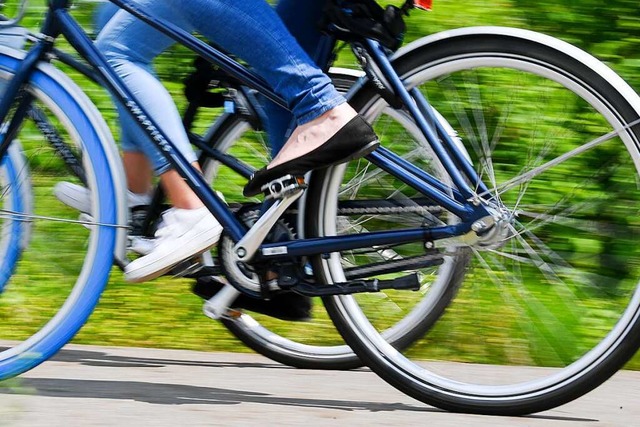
[64, 261]
[552, 310]
[17, 197]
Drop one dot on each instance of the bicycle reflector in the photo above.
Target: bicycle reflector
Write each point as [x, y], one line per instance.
[423, 4]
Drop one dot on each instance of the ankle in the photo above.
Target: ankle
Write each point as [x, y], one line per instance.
[311, 135]
[341, 113]
[331, 121]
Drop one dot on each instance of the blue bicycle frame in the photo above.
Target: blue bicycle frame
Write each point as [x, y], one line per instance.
[462, 201]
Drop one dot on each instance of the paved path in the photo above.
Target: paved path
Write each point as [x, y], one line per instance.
[96, 386]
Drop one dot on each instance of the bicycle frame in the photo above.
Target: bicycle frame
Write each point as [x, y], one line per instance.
[464, 202]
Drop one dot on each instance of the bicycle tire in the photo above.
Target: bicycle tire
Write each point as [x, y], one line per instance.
[558, 296]
[15, 180]
[64, 268]
[284, 342]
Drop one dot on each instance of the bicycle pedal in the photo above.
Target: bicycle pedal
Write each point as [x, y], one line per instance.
[410, 282]
[188, 267]
[284, 187]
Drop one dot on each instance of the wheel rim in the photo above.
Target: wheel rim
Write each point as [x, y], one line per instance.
[594, 341]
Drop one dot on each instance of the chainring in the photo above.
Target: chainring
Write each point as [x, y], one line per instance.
[241, 275]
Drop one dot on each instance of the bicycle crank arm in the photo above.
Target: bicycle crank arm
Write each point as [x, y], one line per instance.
[409, 282]
[284, 192]
[217, 306]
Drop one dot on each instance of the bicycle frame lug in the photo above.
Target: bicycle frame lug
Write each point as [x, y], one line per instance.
[479, 226]
[45, 37]
[476, 201]
[487, 232]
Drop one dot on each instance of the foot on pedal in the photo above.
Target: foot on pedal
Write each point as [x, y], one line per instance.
[355, 139]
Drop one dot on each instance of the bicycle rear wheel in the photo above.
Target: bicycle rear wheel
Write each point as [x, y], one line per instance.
[316, 344]
[64, 265]
[554, 134]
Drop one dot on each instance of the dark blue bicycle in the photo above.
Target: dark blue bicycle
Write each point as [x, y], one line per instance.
[529, 212]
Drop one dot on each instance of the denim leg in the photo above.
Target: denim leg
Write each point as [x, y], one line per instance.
[249, 29]
[103, 13]
[130, 46]
[252, 30]
[302, 20]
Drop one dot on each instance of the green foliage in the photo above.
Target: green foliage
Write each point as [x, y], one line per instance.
[608, 30]
[164, 313]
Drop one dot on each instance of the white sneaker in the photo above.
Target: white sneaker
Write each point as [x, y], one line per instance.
[79, 198]
[141, 245]
[74, 196]
[184, 233]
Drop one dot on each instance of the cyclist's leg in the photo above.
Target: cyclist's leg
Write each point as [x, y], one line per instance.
[130, 45]
[319, 109]
[302, 21]
[103, 13]
[137, 166]
[138, 169]
[280, 60]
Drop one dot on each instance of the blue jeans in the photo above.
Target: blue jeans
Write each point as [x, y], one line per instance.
[249, 29]
[302, 20]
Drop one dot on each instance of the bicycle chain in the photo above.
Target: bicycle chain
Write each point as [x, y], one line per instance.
[421, 210]
[395, 210]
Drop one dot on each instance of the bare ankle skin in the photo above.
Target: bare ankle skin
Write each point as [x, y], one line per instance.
[138, 170]
[178, 191]
[311, 135]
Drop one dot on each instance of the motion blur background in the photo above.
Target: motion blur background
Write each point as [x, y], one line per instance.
[164, 313]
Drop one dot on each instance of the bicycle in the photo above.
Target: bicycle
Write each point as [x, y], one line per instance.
[466, 222]
[280, 342]
[243, 324]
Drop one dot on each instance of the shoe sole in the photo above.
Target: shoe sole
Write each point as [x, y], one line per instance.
[364, 151]
[162, 265]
